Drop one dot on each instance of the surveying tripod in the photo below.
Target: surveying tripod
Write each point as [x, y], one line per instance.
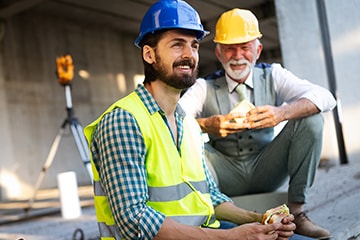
[65, 75]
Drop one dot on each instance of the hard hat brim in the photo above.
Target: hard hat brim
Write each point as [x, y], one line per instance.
[237, 40]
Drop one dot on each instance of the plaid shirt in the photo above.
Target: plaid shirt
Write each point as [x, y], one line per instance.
[119, 151]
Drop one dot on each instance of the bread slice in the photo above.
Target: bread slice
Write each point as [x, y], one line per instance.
[242, 107]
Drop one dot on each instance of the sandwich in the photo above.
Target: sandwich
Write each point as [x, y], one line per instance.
[242, 107]
[275, 215]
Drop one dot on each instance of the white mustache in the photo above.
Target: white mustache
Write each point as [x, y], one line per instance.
[239, 62]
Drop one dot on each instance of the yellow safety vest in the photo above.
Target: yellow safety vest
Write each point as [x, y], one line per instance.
[177, 184]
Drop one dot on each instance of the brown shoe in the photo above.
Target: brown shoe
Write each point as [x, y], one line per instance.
[305, 227]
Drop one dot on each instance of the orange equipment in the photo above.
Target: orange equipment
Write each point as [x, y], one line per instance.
[65, 69]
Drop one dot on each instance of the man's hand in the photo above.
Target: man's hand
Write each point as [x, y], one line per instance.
[270, 116]
[258, 117]
[264, 117]
[288, 227]
[222, 125]
[257, 231]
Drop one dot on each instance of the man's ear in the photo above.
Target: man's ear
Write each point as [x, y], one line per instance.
[217, 52]
[148, 54]
[259, 50]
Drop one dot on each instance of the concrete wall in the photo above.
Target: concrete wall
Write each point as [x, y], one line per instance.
[302, 51]
[32, 102]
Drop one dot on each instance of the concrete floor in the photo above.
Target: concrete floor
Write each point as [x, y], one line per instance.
[333, 200]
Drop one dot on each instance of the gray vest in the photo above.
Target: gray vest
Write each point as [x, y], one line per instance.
[250, 142]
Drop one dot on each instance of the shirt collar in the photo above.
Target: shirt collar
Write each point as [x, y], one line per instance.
[150, 103]
[232, 84]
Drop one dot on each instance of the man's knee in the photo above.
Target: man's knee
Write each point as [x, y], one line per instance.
[310, 126]
[314, 124]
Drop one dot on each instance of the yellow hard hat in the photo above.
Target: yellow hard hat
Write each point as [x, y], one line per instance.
[237, 26]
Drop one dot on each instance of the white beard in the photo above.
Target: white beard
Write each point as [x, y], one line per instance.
[237, 74]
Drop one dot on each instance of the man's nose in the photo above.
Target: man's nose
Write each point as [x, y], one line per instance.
[189, 52]
[238, 53]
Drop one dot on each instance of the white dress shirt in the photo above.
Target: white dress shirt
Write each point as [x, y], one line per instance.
[288, 88]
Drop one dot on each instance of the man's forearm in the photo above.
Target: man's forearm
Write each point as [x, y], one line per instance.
[171, 230]
[298, 109]
[230, 212]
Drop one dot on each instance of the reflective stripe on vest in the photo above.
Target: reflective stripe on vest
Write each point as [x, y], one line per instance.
[108, 232]
[172, 193]
[177, 184]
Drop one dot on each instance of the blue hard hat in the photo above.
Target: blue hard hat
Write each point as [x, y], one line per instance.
[170, 14]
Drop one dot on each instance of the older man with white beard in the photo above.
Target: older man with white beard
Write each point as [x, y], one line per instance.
[246, 155]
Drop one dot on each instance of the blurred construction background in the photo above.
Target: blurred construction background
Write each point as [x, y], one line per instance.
[99, 36]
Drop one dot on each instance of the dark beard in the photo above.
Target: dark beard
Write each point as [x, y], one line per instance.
[180, 82]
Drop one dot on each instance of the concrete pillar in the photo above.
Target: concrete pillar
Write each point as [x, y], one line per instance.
[302, 52]
[5, 136]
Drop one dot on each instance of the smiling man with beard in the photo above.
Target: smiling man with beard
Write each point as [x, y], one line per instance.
[150, 176]
[245, 154]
